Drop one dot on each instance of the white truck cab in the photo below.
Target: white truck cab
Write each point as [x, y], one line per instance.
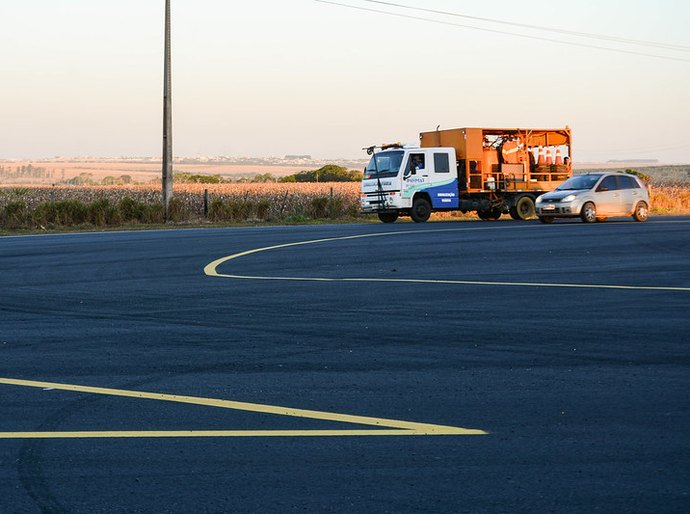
[414, 180]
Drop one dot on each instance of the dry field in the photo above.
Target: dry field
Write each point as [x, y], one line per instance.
[140, 172]
[236, 202]
[43, 206]
[660, 175]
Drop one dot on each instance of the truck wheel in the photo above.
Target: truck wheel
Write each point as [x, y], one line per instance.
[641, 212]
[388, 217]
[524, 209]
[588, 214]
[490, 215]
[421, 210]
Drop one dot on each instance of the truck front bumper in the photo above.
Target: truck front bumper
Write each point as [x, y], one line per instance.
[381, 202]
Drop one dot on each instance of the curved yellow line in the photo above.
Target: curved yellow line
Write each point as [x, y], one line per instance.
[212, 271]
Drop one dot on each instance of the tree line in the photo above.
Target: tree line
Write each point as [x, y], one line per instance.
[328, 173]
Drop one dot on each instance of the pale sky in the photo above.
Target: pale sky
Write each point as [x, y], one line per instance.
[276, 77]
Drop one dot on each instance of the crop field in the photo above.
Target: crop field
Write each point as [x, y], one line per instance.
[31, 207]
[52, 172]
[661, 175]
[44, 206]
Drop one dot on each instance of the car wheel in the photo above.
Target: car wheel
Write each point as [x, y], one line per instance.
[588, 214]
[546, 219]
[388, 217]
[641, 212]
[421, 210]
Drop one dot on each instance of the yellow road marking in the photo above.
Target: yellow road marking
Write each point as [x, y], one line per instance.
[211, 269]
[391, 427]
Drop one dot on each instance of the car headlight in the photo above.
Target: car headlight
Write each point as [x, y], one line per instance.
[569, 198]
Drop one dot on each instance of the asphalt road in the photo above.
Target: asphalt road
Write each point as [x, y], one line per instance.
[565, 347]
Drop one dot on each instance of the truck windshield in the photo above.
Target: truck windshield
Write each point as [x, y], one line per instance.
[387, 164]
[579, 182]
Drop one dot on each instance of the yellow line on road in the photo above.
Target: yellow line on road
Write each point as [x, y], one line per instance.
[211, 269]
[229, 433]
[400, 427]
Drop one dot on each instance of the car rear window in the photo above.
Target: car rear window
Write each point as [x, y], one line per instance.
[627, 182]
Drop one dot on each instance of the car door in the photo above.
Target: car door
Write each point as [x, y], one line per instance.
[607, 197]
[630, 193]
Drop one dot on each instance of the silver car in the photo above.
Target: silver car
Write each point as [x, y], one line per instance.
[595, 197]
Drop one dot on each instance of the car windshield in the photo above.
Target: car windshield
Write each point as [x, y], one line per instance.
[384, 164]
[579, 182]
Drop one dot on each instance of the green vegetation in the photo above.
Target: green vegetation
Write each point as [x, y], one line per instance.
[643, 176]
[235, 210]
[74, 213]
[328, 173]
[86, 179]
[194, 178]
[109, 209]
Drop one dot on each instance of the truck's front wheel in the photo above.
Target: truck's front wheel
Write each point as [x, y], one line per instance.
[421, 210]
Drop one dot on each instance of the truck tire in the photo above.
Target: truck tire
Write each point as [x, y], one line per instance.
[490, 215]
[388, 217]
[524, 209]
[421, 210]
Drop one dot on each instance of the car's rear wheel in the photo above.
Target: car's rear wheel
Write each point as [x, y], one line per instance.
[641, 212]
[588, 214]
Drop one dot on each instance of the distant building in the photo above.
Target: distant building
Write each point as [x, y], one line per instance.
[297, 157]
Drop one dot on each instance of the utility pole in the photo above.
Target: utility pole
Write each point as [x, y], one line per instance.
[167, 120]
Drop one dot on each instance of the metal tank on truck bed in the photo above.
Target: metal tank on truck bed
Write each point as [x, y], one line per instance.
[492, 171]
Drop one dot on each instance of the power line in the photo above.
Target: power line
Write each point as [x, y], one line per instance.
[495, 31]
[590, 35]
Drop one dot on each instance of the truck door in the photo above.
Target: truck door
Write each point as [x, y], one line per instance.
[444, 189]
[415, 174]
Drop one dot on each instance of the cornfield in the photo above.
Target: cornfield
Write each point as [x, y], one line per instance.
[59, 206]
[670, 200]
[39, 206]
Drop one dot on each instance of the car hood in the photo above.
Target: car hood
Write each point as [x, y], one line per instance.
[559, 195]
